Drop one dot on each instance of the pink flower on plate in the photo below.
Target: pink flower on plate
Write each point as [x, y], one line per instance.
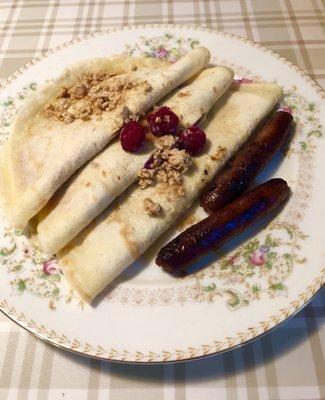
[286, 109]
[50, 267]
[243, 80]
[258, 258]
[161, 53]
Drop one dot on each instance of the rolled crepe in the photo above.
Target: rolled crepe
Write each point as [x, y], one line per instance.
[42, 153]
[124, 231]
[111, 172]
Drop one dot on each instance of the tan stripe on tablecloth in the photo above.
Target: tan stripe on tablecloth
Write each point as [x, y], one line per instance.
[67, 30]
[76, 29]
[33, 40]
[89, 19]
[298, 34]
[229, 366]
[100, 14]
[126, 12]
[148, 12]
[270, 367]
[9, 359]
[94, 379]
[67, 3]
[27, 367]
[246, 20]
[50, 25]
[207, 15]
[315, 344]
[219, 15]
[197, 15]
[46, 372]
[264, 22]
[319, 14]
[112, 2]
[236, 17]
[7, 24]
[170, 11]
[250, 373]
[180, 381]
[10, 64]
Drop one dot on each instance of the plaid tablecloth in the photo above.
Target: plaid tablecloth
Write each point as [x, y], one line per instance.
[285, 364]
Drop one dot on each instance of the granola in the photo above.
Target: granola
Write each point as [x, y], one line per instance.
[167, 165]
[219, 153]
[92, 95]
[146, 177]
[151, 208]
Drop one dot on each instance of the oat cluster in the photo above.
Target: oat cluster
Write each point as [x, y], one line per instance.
[92, 95]
[167, 165]
[151, 208]
[219, 154]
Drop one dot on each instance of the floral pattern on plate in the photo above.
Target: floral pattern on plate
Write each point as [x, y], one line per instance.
[166, 47]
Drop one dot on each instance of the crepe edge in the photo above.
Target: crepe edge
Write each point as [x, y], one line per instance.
[72, 279]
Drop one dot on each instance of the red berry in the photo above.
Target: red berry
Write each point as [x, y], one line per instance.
[163, 121]
[132, 136]
[192, 140]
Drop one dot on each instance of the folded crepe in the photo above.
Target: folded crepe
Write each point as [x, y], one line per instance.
[124, 231]
[42, 152]
[111, 172]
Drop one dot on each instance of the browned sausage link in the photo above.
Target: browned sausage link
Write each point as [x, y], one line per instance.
[221, 226]
[240, 171]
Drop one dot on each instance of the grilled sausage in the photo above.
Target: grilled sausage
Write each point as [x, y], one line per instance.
[246, 164]
[222, 225]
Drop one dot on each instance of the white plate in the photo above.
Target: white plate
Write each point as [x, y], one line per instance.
[260, 278]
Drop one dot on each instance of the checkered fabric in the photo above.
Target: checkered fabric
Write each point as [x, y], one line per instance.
[285, 364]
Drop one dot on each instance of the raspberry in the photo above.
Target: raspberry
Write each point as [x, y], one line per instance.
[132, 136]
[192, 140]
[163, 121]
